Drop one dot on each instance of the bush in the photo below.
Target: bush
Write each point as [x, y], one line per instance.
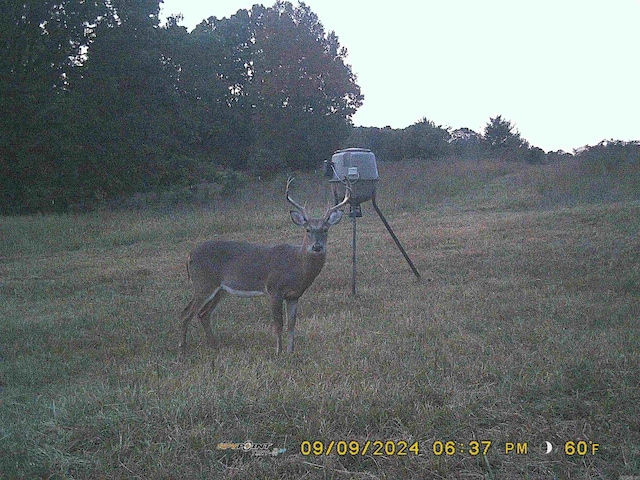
[263, 162]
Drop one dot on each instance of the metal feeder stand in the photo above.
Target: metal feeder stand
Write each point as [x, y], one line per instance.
[357, 168]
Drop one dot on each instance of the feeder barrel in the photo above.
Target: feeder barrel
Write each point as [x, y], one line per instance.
[358, 165]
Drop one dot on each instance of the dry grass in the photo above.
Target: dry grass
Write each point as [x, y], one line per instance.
[526, 332]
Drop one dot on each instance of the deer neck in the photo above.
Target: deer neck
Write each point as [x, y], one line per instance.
[311, 261]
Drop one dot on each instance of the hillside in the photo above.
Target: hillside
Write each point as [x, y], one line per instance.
[523, 331]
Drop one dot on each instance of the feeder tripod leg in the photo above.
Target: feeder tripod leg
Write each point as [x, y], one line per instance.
[353, 244]
[395, 239]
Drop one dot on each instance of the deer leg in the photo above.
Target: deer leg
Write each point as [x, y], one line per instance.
[186, 316]
[276, 309]
[205, 312]
[292, 308]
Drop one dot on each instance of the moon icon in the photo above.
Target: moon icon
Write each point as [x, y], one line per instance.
[549, 448]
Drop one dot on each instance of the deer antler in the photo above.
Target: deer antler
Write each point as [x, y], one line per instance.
[292, 202]
[347, 196]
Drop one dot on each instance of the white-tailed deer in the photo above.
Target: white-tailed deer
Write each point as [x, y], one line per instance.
[281, 271]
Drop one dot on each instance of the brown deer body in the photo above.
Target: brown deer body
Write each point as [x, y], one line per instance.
[281, 271]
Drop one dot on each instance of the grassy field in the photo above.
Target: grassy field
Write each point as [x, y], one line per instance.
[524, 330]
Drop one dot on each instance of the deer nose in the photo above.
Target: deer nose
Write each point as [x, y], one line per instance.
[317, 247]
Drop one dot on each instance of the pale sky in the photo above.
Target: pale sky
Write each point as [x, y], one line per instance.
[565, 72]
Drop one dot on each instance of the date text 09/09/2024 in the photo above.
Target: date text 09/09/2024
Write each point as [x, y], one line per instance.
[439, 448]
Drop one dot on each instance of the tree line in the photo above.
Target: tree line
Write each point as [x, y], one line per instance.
[101, 101]
[499, 140]
[424, 139]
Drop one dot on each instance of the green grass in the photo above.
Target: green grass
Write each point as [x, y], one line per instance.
[524, 330]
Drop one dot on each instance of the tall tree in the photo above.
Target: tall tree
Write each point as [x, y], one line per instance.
[303, 91]
[127, 90]
[41, 43]
[503, 139]
[214, 72]
[425, 140]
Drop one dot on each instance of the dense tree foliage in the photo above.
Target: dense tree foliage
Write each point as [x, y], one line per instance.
[501, 134]
[101, 101]
[41, 43]
[504, 142]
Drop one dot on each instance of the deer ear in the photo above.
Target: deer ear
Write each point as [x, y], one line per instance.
[335, 217]
[298, 218]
